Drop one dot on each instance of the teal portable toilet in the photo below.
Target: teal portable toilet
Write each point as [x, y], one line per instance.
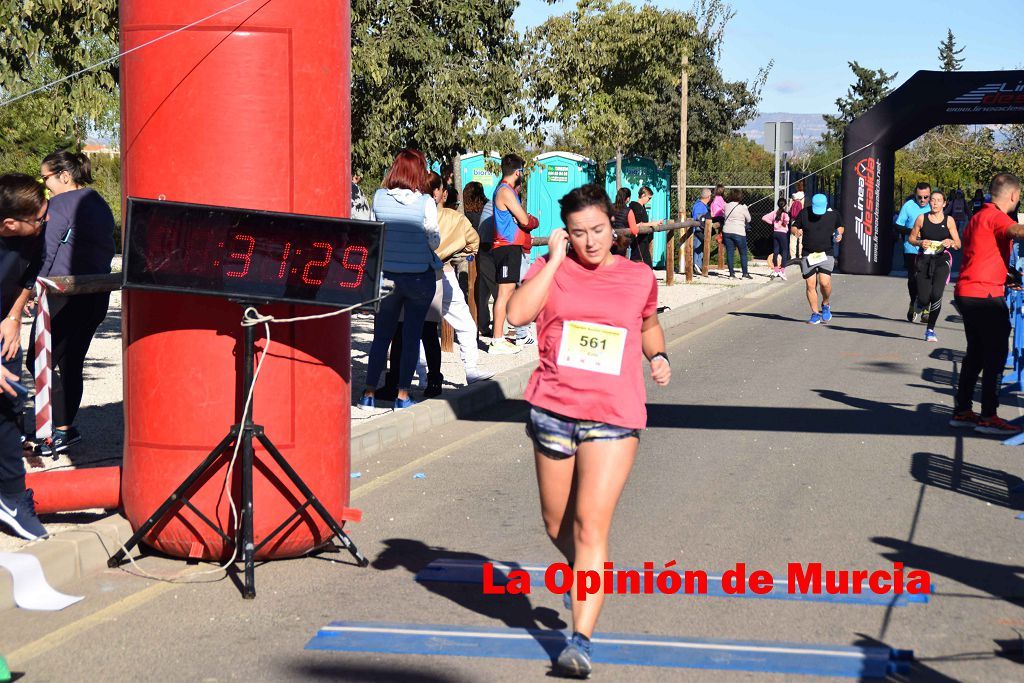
[474, 167]
[554, 175]
[636, 173]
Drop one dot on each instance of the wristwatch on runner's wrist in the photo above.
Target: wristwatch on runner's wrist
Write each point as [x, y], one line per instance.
[660, 354]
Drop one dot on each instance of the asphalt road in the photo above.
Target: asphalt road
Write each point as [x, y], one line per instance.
[777, 442]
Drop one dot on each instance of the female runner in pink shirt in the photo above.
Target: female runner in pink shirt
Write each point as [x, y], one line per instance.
[587, 395]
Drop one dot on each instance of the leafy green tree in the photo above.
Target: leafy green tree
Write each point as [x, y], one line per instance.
[43, 40]
[949, 55]
[440, 75]
[594, 71]
[869, 89]
[607, 77]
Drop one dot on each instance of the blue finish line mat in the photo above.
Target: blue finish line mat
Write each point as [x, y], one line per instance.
[472, 572]
[610, 648]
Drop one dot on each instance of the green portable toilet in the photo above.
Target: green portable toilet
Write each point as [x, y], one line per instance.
[554, 175]
[474, 167]
[636, 173]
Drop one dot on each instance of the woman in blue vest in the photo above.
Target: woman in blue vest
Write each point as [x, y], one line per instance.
[411, 236]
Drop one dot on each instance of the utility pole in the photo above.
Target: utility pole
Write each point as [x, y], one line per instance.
[684, 103]
[672, 239]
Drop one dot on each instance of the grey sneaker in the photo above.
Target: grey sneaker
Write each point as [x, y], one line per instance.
[18, 511]
[574, 660]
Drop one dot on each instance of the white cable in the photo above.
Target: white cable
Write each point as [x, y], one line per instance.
[47, 86]
[238, 445]
[250, 318]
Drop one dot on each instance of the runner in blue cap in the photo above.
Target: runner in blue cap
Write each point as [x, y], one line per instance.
[820, 227]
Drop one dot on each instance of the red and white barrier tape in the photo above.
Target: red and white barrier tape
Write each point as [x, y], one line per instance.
[43, 360]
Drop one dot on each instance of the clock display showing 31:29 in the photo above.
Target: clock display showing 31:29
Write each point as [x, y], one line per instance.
[251, 255]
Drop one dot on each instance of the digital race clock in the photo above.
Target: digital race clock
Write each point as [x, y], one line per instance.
[251, 255]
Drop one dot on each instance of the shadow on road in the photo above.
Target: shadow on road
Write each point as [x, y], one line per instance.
[1002, 581]
[514, 611]
[368, 673]
[953, 474]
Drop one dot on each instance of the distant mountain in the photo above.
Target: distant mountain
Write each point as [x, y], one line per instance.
[807, 128]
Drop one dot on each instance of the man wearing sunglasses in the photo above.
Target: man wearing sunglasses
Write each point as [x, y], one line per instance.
[914, 207]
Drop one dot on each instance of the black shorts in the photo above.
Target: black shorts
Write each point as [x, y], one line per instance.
[508, 261]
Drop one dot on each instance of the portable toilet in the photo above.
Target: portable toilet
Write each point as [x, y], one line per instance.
[474, 167]
[638, 172]
[554, 175]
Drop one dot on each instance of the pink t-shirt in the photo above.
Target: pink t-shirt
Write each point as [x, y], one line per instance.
[777, 226]
[620, 294]
[717, 207]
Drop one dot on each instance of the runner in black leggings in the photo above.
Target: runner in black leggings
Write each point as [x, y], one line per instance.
[934, 233]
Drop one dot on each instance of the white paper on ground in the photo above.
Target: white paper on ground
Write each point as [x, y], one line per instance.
[31, 591]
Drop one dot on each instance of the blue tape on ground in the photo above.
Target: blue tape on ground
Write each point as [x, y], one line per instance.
[471, 571]
[610, 648]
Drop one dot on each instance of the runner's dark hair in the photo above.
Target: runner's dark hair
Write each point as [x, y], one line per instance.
[21, 196]
[473, 198]
[75, 163]
[1002, 183]
[510, 163]
[583, 198]
[622, 198]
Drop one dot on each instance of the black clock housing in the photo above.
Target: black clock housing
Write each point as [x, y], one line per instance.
[249, 255]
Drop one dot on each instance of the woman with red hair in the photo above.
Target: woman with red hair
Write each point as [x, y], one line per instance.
[410, 219]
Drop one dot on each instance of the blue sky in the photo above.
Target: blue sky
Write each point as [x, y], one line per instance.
[812, 42]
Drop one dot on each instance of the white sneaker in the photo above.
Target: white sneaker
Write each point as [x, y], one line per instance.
[527, 340]
[782, 274]
[477, 375]
[502, 347]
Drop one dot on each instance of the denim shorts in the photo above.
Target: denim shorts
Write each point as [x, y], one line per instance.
[558, 437]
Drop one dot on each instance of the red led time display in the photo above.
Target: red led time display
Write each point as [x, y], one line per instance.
[257, 255]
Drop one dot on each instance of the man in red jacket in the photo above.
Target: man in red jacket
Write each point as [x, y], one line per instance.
[980, 297]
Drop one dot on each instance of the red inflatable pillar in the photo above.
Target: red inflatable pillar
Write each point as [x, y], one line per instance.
[248, 109]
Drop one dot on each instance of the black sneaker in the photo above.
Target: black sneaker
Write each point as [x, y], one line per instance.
[61, 441]
[18, 511]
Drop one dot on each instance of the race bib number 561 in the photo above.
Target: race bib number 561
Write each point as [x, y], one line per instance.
[591, 346]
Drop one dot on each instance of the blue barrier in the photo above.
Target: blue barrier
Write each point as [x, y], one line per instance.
[1014, 380]
[861, 662]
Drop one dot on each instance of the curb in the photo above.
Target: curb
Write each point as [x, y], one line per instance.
[397, 428]
[73, 554]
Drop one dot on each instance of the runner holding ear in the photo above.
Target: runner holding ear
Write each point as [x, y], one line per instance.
[587, 394]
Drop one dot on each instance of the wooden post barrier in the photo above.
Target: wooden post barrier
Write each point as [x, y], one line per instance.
[472, 292]
[689, 256]
[543, 241]
[721, 250]
[670, 257]
[707, 246]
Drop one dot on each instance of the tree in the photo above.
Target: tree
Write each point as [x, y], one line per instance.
[43, 41]
[594, 71]
[440, 75]
[870, 88]
[949, 57]
[717, 107]
[606, 76]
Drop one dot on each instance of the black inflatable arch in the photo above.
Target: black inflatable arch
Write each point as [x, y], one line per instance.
[928, 99]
